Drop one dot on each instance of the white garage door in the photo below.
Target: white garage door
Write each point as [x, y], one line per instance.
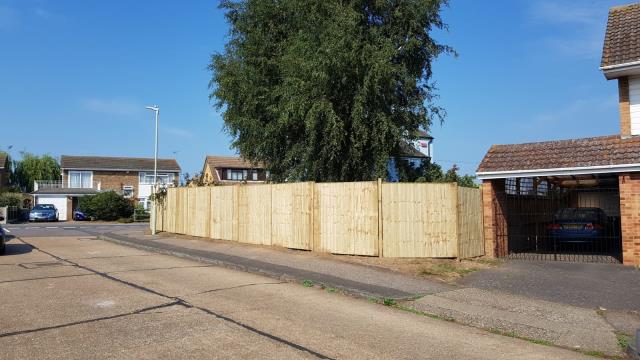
[60, 202]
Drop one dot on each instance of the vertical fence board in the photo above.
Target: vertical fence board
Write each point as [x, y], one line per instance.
[254, 214]
[199, 200]
[291, 215]
[470, 226]
[419, 220]
[347, 222]
[223, 213]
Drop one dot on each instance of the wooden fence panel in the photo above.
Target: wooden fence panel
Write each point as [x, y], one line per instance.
[172, 210]
[292, 215]
[161, 210]
[346, 218]
[223, 220]
[254, 214]
[199, 201]
[182, 202]
[470, 225]
[419, 220]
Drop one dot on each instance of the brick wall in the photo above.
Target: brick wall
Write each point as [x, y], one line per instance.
[112, 180]
[630, 217]
[495, 224]
[625, 110]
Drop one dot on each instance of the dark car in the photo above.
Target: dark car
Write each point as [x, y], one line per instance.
[578, 225]
[43, 212]
[79, 216]
[3, 238]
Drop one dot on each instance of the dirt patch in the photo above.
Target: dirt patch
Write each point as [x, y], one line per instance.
[446, 270]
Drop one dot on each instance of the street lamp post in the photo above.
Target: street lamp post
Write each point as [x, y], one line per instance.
[156, 109]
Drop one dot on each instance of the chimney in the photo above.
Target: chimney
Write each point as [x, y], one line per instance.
[625, 108]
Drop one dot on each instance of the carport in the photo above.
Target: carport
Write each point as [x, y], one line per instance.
[567, 200]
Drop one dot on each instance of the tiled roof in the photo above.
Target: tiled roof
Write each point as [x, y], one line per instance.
[407, 150]
[423, 134]
[3, 160]
[574, 153]
[228, 162]
[622, 40]
[116, 163]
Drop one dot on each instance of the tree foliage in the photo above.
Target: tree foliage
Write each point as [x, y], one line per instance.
[32, 167]
[325, 90]
[106, 205]
[427, 171]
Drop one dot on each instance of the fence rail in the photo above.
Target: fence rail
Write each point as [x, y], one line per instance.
[356, 218]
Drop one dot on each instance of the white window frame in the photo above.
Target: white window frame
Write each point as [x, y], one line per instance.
[163, 178]
[232, 174]
[128, 188]
[82, 173]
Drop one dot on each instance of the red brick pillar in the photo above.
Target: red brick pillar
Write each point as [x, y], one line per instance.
[495, 223]
[630, 217]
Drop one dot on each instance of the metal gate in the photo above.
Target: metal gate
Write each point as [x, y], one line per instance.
[551, 222]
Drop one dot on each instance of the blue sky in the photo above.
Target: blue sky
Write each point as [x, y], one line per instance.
[75, 77]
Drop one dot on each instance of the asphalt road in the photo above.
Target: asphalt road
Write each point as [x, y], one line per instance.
[66, 294]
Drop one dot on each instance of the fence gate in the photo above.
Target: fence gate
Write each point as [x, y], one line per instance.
[551, 222]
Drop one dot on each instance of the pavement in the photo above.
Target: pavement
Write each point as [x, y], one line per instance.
[74, 296]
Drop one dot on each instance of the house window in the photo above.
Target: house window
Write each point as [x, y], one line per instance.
[254, 175]
[127, 191]
[80, 179]
[237, 175]
[146, 178]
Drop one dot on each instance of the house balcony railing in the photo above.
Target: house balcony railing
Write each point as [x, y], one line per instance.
[59, 184]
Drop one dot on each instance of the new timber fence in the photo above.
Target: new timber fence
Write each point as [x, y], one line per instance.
[355, 218]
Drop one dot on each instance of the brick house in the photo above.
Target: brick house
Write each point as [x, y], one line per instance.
[4, 170]
[87, 175]
[221, 170]
[528, 189]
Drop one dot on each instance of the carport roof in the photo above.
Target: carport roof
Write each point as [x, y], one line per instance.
[604, 154]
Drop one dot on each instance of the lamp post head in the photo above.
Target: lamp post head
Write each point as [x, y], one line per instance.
[155, 108]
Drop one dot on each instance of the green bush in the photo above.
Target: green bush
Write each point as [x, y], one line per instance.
[106, 206]
[10, 199]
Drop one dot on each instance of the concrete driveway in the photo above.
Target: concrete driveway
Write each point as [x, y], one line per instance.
[76, 297]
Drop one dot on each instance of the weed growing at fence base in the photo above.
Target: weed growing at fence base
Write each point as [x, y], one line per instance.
[307, 283]
[389, 302]
[623, 340]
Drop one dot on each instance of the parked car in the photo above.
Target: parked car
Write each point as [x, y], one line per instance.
[43, 212]
[79, 216]
[578, 225]
[3, 238]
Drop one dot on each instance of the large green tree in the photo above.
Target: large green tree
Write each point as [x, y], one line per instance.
[326, 90]
[32, 167]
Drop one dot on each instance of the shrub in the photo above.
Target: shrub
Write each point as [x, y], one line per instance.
[106, 206]
[10, 199]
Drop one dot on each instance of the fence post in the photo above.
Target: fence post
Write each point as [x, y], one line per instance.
[457, 197]
[380, 214]
[236, 212]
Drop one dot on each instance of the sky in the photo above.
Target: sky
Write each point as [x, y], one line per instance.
[75, 77]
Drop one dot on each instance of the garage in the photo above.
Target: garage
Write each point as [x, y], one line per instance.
[59, 201]
[568, 200]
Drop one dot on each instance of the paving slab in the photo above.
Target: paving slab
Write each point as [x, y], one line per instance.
[128, 263]
[82, 247]
[168, 333]
[51, 302]
[346, 327]
[561, 324]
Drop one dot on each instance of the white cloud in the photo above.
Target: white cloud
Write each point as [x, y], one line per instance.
[115, 106]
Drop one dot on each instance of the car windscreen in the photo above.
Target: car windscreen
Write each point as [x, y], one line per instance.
[44, 207]
[578, 214]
